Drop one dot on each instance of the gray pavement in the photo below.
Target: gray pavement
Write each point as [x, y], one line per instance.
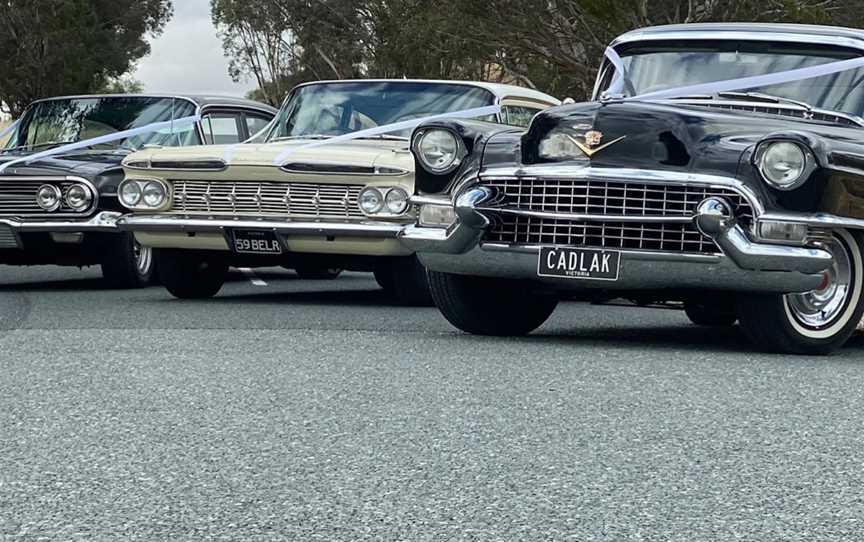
[306, 410]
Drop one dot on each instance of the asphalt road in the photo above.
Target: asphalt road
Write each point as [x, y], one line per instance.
[318, 411]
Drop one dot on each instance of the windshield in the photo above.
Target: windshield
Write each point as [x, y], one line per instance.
[332, 109]
[56, 122]
[659, 66]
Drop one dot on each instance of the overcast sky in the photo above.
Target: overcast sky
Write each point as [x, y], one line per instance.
[187, 57]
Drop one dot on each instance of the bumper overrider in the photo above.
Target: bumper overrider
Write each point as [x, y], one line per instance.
[740, 264]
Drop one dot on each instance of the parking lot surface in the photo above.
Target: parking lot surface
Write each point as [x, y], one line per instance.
[313, 410]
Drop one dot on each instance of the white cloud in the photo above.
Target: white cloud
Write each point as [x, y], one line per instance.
[188, 57]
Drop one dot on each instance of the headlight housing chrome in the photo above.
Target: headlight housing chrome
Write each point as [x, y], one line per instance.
[143, 194]
[49, 197]
[784, 165]
[79, 197]
[384, 201]
[439, 151]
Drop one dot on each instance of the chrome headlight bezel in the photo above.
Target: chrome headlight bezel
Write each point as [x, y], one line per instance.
[53, 191]
[807, 166]
[139, 186]
[459, 152]
[86, 194]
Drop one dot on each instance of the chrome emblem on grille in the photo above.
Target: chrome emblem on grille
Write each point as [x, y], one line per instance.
[592, 146]
[593, 138]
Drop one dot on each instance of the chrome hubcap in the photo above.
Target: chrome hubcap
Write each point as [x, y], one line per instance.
[143, 258]
[820, 308]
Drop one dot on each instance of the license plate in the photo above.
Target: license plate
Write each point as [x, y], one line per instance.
[579, 263]
[255, 242]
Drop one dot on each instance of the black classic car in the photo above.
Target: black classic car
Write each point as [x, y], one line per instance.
[740, 204]
[63, 209]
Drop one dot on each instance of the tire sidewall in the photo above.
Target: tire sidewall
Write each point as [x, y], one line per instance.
[851, 314]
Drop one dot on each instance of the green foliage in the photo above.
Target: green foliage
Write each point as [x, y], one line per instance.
[55, 47]
[552, 45]
[122, 85]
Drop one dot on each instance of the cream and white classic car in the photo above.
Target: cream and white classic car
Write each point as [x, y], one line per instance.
[285, 199]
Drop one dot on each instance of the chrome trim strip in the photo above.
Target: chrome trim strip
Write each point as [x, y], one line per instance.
[819, 220]
[222, 167]
[104, 221]
[376, 170]
[430, 200]
[713, 104]
[648, 176]
[52, 179]
[586, 217]
[184, 224]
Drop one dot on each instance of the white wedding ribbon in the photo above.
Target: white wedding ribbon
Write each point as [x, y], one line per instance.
[117, 136]
[9, 128]
[389, 128]
[741, 83]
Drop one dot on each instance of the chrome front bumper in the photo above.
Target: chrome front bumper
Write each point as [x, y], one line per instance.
[744, 265]
[182, 224]
[102, 222]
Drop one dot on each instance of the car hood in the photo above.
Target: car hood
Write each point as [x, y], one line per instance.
[351, 157]
[88, 165]
[671, 136]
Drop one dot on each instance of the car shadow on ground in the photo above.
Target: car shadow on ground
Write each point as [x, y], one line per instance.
[56, 285]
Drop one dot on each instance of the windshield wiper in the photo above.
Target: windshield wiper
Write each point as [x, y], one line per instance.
[40, 145]
[310, 136]
[386, 137]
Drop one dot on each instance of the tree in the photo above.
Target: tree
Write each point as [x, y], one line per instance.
[122, 85]
[56, 47]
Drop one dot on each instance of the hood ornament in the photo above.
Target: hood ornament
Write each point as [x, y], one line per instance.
[591, 145]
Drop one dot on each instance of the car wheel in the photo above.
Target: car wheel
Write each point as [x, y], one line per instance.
[128, 264]
[709, 313]
[485, 306]
[817, 322]
[318, 273]
[405, 279]
[191, 275]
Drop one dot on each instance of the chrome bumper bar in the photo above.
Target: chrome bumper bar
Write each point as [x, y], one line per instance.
[104, 221]
[743, 265]
[286, 227]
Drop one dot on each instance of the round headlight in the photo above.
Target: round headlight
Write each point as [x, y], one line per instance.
[78, 197]
[396, 201]
[130, 193]
[371, 201]
[783, 165]
[438, 150]
[48, 197]
[154, 194]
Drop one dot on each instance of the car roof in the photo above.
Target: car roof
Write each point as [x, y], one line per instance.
[500, 90]
[198, 99]
[800, 33]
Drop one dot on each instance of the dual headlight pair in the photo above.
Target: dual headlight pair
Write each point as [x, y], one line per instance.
[143, 194]
[78, 197]
[377, 201]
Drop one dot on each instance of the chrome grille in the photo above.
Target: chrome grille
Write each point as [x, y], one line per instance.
[267, 198]
[607, 201]
[8, 239]
[598, 197]
[18, 197]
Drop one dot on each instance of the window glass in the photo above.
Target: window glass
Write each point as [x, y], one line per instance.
[69, 120]
[518, 115]
[256, 124]
[221, 129]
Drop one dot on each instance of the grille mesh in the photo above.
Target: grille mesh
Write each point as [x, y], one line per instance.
[267, 198]
[607, 199]
[595, 197]
[7, 237]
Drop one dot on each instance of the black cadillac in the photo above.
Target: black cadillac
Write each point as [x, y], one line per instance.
[742, 205]
[63, 209]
